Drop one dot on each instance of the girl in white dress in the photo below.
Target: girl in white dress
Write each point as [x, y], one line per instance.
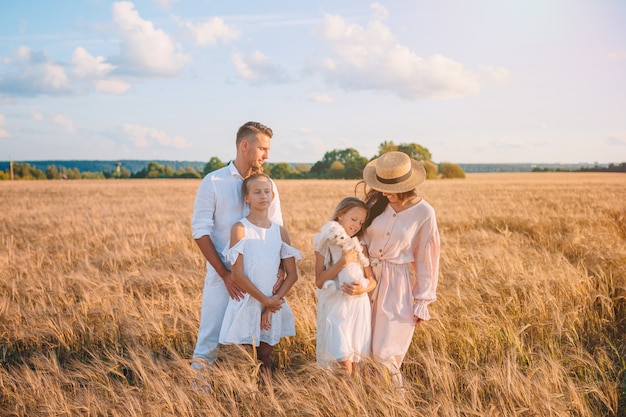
[343, 309]
[257, 246]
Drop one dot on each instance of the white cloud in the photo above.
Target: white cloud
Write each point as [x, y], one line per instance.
[256, 68]
[497, 74]
[87, 66]
[210, 31]
[165, 4]
[3, 132]
[616, 141]
[111, 85]
[37, 116]
[320, 97]
[145, 49]
[34, 73]
[618, 55]
[369, 58]
[96, 70]
[63, 121]
[380, 11]
[180, 142]
[143, 137]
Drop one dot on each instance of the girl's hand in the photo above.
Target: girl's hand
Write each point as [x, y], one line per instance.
[273, 304]
[266, 320]
[353, 288]
[417, 320]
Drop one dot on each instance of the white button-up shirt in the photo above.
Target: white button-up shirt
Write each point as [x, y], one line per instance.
[219, 204]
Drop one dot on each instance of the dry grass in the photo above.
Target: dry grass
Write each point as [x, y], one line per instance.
[100, 286]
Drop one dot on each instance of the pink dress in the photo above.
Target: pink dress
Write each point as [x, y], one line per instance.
[404, 249]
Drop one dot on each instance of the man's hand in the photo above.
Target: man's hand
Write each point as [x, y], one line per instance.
[233, 289]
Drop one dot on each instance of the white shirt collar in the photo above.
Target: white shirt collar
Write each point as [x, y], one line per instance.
[233, 170]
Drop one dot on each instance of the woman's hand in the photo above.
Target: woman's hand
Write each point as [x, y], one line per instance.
[417, 320]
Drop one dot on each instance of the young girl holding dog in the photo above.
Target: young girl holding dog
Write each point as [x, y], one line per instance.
[257, 246]
[343, 304]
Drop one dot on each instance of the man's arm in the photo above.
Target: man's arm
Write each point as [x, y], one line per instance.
[210, 253]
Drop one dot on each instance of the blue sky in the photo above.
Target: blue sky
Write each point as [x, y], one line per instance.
[482, 81]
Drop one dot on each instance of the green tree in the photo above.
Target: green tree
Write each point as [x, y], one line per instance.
[125, 173]
[415, 151]
[71, 174]
[214, 164]
[336, 170]
[386, 146]
[450, 170]
[281, 170]
[155, 170]
[432, 171]
[52, 173]
[27, 172]
[352, 161]
[189, 172]
[303, 168]
[91, 176]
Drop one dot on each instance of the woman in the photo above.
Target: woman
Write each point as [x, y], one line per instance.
[403, 243]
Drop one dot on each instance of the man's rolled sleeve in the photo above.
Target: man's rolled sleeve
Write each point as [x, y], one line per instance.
[203, 210]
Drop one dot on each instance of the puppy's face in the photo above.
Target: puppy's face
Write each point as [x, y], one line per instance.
[338, 238]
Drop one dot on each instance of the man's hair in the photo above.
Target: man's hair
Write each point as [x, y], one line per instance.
[250, 129]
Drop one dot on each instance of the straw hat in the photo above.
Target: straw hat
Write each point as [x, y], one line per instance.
[394, 172]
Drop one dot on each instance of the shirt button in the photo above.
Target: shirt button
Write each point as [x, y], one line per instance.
[380, 250]
[388, 233]
[394, 214]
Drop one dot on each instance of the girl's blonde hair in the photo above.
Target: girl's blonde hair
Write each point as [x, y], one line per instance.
[254, 177]
[346, 204]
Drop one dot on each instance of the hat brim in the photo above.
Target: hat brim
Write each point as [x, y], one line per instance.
[418, 175]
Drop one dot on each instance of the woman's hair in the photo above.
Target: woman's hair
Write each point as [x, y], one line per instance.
[346, 204]
[254, 177]
[376, 202]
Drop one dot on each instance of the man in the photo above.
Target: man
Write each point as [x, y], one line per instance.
[218, 205]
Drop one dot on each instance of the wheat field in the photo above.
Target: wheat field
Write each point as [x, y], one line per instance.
[101, 283]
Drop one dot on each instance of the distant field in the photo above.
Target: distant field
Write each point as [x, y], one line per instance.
[101, 283]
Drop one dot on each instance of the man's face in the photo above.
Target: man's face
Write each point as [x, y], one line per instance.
[258, 150]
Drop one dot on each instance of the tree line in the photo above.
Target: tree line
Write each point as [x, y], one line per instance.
[621, 167]
[336, 164]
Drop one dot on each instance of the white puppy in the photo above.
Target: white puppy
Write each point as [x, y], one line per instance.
[330, 241]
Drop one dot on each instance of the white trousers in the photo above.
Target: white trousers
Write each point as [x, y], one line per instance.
[214, 301]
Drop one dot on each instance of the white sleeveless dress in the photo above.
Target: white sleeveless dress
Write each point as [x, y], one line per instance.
[262, 251]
